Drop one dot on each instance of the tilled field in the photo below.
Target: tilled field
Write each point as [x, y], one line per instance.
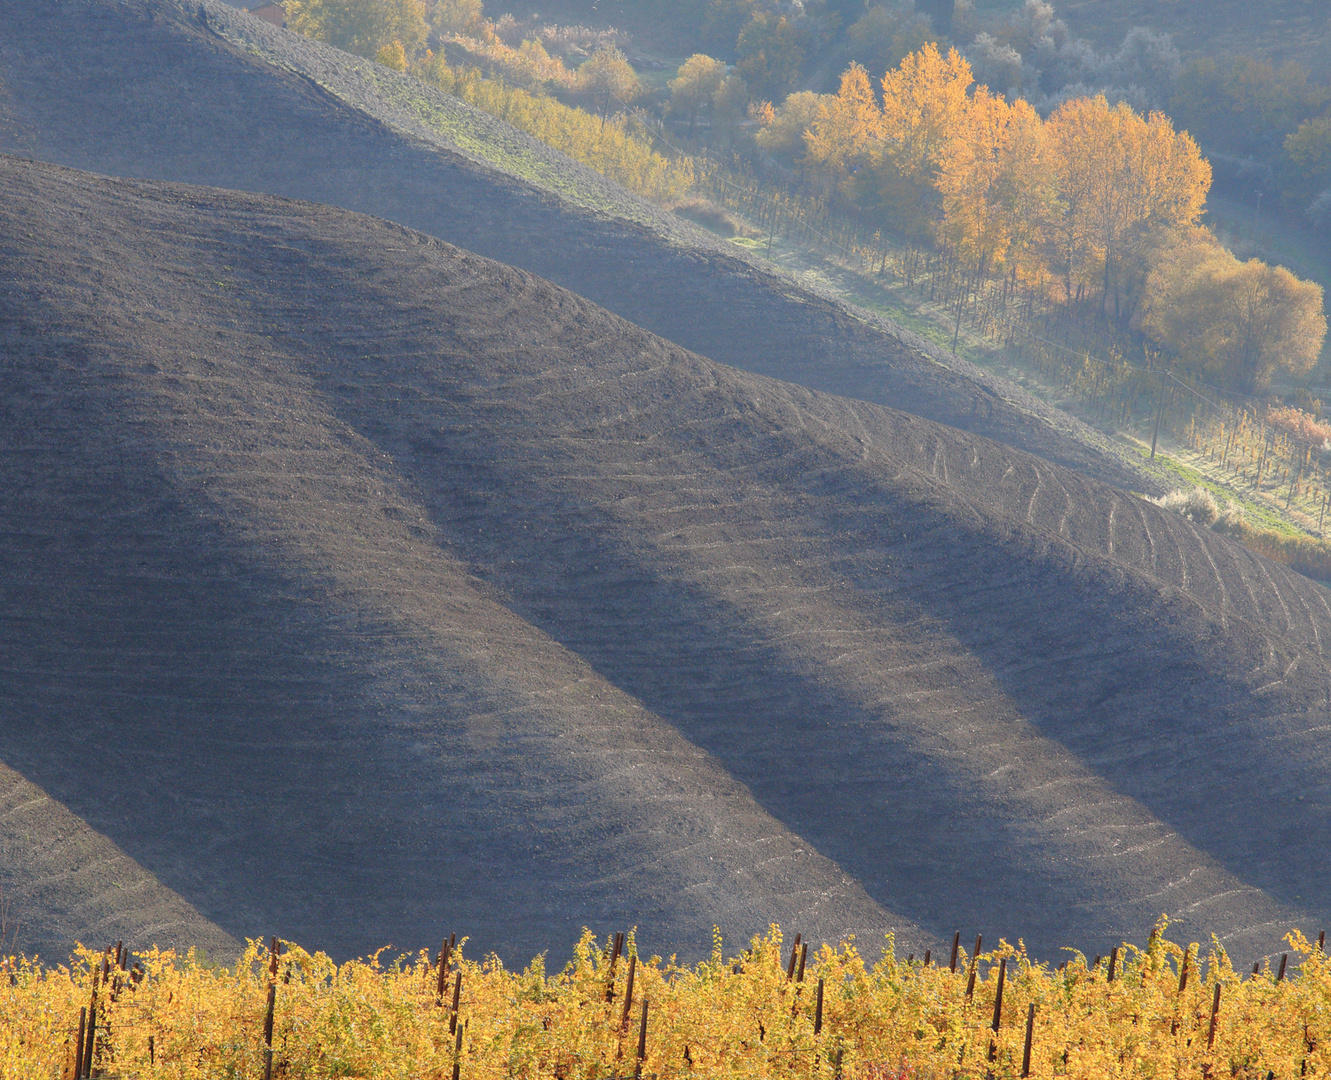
[357, 588]
[193, 90]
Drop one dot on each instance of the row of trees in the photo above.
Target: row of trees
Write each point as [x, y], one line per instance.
[1100, 198]
[612, 146]
[399, 33]
[1265, 126]
[1105, 200]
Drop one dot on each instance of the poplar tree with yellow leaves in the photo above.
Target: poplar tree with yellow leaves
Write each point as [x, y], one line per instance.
[924, 106]
[994, 181]
[847, 137]
[1119, 176]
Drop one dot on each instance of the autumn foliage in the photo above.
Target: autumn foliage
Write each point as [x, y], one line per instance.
[608, 145]
[1073, 193]
[1159, 1010]
[1096, 197]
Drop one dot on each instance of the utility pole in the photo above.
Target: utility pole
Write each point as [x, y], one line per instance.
[1160, 411]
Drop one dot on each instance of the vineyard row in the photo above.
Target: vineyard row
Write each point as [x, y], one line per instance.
[1162, 1010]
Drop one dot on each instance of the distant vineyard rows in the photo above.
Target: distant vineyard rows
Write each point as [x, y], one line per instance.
[776, 1010]
[1280, 454]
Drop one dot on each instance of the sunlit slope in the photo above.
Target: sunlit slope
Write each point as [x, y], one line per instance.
[194, 90]
[61, 880]
[413, 591]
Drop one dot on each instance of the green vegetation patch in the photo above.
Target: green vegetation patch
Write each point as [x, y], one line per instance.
[1254, 513]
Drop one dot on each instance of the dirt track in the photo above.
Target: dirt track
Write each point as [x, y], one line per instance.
[359, 588]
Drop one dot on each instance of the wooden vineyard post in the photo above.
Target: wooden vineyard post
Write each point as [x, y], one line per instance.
[642, 1043]
[1030, 1031]
[1159, 412]
[794, 956]
[1280, 976]
[457, 1053]
[628, 992]
[956, 945]
[1183, 973]
[975, 964]
[804, 955]
[274, 951]
[818, 1012]
[928, 955]
[268, 1032]
[90, 1040]
[1215, 1015]
[1113, 963]
[614, 959]
[998, 1008]
[442, 981]
[78, 1045]
[457, 999]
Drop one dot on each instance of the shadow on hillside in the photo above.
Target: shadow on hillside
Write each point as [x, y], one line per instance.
[1131, 679]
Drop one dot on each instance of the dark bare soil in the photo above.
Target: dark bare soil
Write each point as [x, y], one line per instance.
[356, 588]
[194, 90]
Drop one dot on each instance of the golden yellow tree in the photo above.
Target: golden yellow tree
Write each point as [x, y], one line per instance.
[1238, 321]
[784, 130]
[361, 26]
[993, 180]
[847, 134]
[691, 90]
[1120, 176]
[924, 106]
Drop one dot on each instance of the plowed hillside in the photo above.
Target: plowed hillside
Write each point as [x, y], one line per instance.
[196, 91]
[357, 588]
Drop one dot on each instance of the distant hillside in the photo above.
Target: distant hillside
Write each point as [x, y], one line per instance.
[357, 589]
[1278, 31]
[207, 94]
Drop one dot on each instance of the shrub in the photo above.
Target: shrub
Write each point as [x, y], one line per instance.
[1198, 505]
[1308, 555]
[710, 216]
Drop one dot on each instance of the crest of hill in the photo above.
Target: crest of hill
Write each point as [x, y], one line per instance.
[209, 94]
[358, 588]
